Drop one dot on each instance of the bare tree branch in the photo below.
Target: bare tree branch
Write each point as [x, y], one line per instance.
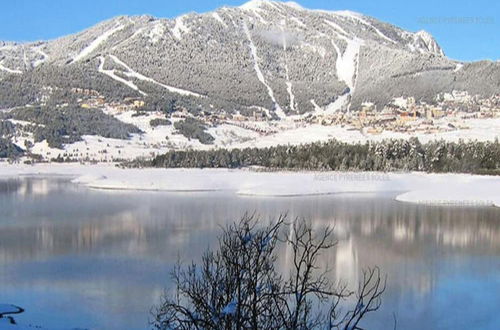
[239, 287]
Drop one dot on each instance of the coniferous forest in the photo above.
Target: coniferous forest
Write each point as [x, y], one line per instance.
[388, 155]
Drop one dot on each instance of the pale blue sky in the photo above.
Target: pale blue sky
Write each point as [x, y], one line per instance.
[467, 30]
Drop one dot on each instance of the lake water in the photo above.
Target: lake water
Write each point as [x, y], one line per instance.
[80, 258]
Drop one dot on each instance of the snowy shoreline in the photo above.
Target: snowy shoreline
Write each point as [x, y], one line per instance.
[419, 188]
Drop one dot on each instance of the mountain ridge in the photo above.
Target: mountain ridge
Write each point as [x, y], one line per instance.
[277, 56]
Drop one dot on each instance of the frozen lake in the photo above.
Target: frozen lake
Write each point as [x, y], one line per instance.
[80, 258]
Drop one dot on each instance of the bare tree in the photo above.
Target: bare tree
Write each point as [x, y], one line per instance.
[239, 286]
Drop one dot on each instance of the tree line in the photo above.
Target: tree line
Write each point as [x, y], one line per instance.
[65, 125]
[388, 155]
[9, 149]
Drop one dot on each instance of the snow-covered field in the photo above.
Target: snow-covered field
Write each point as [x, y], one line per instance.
[161, 139]
[450, 189]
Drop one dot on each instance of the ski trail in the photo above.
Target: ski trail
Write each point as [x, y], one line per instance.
[134, 74]
[3, 68]
[43, 54]
[365, 22]
[337, 27]
[96, 43]
[219, 19]
[346, 65]
[288, 82]
[112, 75]
[279, 112]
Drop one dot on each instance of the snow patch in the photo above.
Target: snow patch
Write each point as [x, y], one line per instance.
[347, 63]
[317, 49]
[253, 4]
[156, 33]
[429, 42]
[290, 94]
[401, 102]
[458, 67]
[254, 7]
[293, 5]
[179, 28]
[341, 102]
[317, 108]
[219, 19]
[298, 22]
[43, 54]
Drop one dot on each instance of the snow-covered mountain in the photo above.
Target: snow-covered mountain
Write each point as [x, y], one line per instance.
[273, 55]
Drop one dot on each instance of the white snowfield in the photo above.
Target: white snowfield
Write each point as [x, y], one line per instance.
[162, 139]
[432, 189]
[179, 28]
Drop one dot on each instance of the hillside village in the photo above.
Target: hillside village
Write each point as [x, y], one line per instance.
[449, 112]
[160, 131]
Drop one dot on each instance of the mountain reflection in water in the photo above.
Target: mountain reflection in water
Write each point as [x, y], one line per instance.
[62, 244]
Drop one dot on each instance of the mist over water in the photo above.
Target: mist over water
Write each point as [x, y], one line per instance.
[75, 257]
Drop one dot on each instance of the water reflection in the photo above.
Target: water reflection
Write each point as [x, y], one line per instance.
[111, 251]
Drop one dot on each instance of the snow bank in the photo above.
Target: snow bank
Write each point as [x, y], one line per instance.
[468, 191]
[450, 189]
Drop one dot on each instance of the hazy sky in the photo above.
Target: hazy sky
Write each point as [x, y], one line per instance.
[467, 30]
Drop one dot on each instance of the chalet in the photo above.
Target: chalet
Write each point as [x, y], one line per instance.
[181, 113]
[239, 117]
[138, 103]
[374, 130]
